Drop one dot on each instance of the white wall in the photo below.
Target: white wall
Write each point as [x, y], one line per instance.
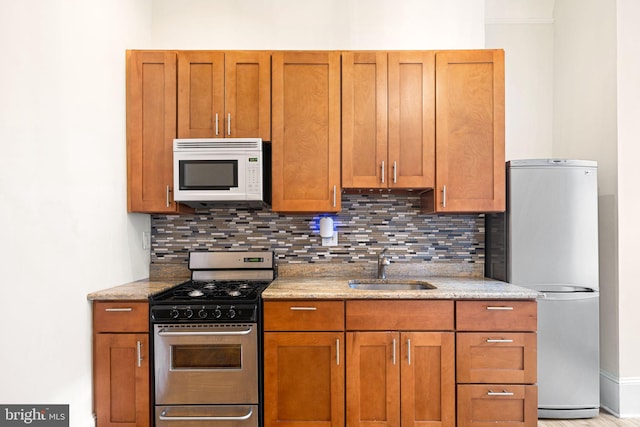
[318, 24]
[628, 34]
[524, 29]
[65, 230]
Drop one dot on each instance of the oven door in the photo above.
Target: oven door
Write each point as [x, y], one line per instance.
[207, 415]
[206, 364]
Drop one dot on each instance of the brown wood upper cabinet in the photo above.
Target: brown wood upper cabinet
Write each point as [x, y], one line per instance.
[470, 172]
[224, 94]
[306, 131]
[388, 118]
[151, 128]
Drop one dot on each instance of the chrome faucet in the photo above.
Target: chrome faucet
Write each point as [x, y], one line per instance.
[383, 262]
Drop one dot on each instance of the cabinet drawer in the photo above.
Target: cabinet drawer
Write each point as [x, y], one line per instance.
[399, 315]
[496, 316]
[120, 316]
[496, 357]
[303, 315]
[490, 405]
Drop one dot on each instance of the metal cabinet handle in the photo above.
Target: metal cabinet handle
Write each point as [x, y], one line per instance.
[303, 308]
[499, 393]
[409, 351]
[111, 310]
[217, 133]
[491, 340]
[335, 197]
[338, 351]
[383, 171]
[229, 124]
[394, 351]
[165, 417]
[444, 196]
[139, 350]
[168, 199]
[395, 172]
[499, 308]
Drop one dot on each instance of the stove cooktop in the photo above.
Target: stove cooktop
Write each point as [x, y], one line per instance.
[212, 291]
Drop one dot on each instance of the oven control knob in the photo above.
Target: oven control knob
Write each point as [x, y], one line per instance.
[217, 313]
[202, 314]
[189, 313]
[231, 313]
[174, 313]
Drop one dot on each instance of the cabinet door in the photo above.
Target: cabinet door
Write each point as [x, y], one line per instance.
[364, 120]
[306, 131]
[200, 94]
[304, 379]
[411, 119]
[428, 379]
[470, 131]
[373, 379]
[151, 128]
[247, 95]
[121, 383]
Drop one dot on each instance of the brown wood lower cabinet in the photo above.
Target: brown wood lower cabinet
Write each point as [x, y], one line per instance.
[496, 363]
[304, 379]
[397, 363]
[121, 364]
[400, 378]
[304, 363]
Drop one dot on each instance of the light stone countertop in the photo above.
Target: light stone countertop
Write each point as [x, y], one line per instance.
[138, 290]
[446, 288]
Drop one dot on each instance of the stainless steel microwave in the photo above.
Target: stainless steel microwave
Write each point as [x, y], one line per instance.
[222, 172]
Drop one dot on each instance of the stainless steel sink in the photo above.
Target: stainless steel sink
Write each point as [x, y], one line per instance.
[390, 285]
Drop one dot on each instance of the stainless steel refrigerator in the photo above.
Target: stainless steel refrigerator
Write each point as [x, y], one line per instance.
[547, 240]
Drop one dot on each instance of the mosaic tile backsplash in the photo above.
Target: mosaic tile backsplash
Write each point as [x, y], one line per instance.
[365, 225]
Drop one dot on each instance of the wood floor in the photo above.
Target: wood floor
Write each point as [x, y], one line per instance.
[602, 420]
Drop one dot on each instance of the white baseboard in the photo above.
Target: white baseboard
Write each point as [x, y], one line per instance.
[620, 396]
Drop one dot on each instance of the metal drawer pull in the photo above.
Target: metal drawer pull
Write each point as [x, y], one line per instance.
[444, 196]
[302, 308]
[139, 349]
[164, 417]
[394, 351]
[112, 310]
[164, 332]
[491, 340]
[168, 196]
[499, 393]
[383, 171]
[499, 308]
[409, 351]
[337, 352]
[229, 124]
[395, 172]
[217, 130]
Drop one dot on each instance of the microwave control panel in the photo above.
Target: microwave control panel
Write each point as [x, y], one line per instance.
[253, 175]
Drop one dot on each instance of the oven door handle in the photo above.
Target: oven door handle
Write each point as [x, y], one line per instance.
[165, 417]
[186, 333]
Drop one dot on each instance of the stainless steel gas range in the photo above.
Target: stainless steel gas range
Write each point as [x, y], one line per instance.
[206, 342]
